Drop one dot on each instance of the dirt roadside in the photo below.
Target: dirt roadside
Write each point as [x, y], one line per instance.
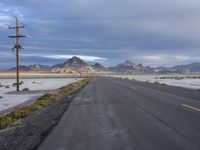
[32, 130]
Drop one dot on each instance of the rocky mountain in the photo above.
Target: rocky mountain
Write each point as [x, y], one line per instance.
[126, 63]
[35, 67]
[193, 67]
[73, 65]
[99, 67]
[126, 66]
[159, 69]
[130, 67]
[73, 62]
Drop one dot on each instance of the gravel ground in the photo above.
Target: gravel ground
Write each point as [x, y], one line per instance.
[32, 130]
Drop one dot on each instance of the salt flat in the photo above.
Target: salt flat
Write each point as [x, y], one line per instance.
[185, 81]
[39, 85]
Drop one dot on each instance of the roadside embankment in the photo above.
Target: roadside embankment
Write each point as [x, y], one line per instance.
[26, 127]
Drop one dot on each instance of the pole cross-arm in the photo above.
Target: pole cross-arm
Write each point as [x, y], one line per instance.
[15, 27]
[17, 36]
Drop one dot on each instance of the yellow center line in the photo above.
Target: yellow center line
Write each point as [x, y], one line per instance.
[188, 106]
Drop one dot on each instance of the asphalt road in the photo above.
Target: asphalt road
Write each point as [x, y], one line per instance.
[115, 114]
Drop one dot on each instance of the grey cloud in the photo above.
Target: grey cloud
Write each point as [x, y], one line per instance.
[114, 29]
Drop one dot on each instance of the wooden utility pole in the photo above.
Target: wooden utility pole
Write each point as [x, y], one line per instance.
[17, 47]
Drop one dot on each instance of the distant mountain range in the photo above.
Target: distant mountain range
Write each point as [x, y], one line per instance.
[130, 67]
[193, 67]
[75, 64]
[35, 67]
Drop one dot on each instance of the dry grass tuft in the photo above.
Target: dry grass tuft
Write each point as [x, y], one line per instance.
[10, 119]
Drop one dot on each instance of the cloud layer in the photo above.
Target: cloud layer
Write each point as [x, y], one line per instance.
[146, 31]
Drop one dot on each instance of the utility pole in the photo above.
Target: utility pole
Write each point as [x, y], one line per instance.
[17, 47]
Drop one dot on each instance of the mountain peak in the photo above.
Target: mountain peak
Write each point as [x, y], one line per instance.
[127, 63]
[75, 57]
[75, 62]
[98, 66]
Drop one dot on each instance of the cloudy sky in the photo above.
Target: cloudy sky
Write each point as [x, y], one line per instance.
[152, 32]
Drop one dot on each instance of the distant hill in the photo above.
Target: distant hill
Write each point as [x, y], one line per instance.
[99, 67]
[124, 67]
[159, 69]
[73, 65]
[77, 65]
[130, 67]
[193, 67]
[73, 62]
[35, 67]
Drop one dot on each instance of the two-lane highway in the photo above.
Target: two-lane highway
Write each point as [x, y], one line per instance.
[115, 114]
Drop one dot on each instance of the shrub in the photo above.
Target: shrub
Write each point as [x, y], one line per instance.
[20, 83]
[25, 89]
[7, 86]
[14, 84]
